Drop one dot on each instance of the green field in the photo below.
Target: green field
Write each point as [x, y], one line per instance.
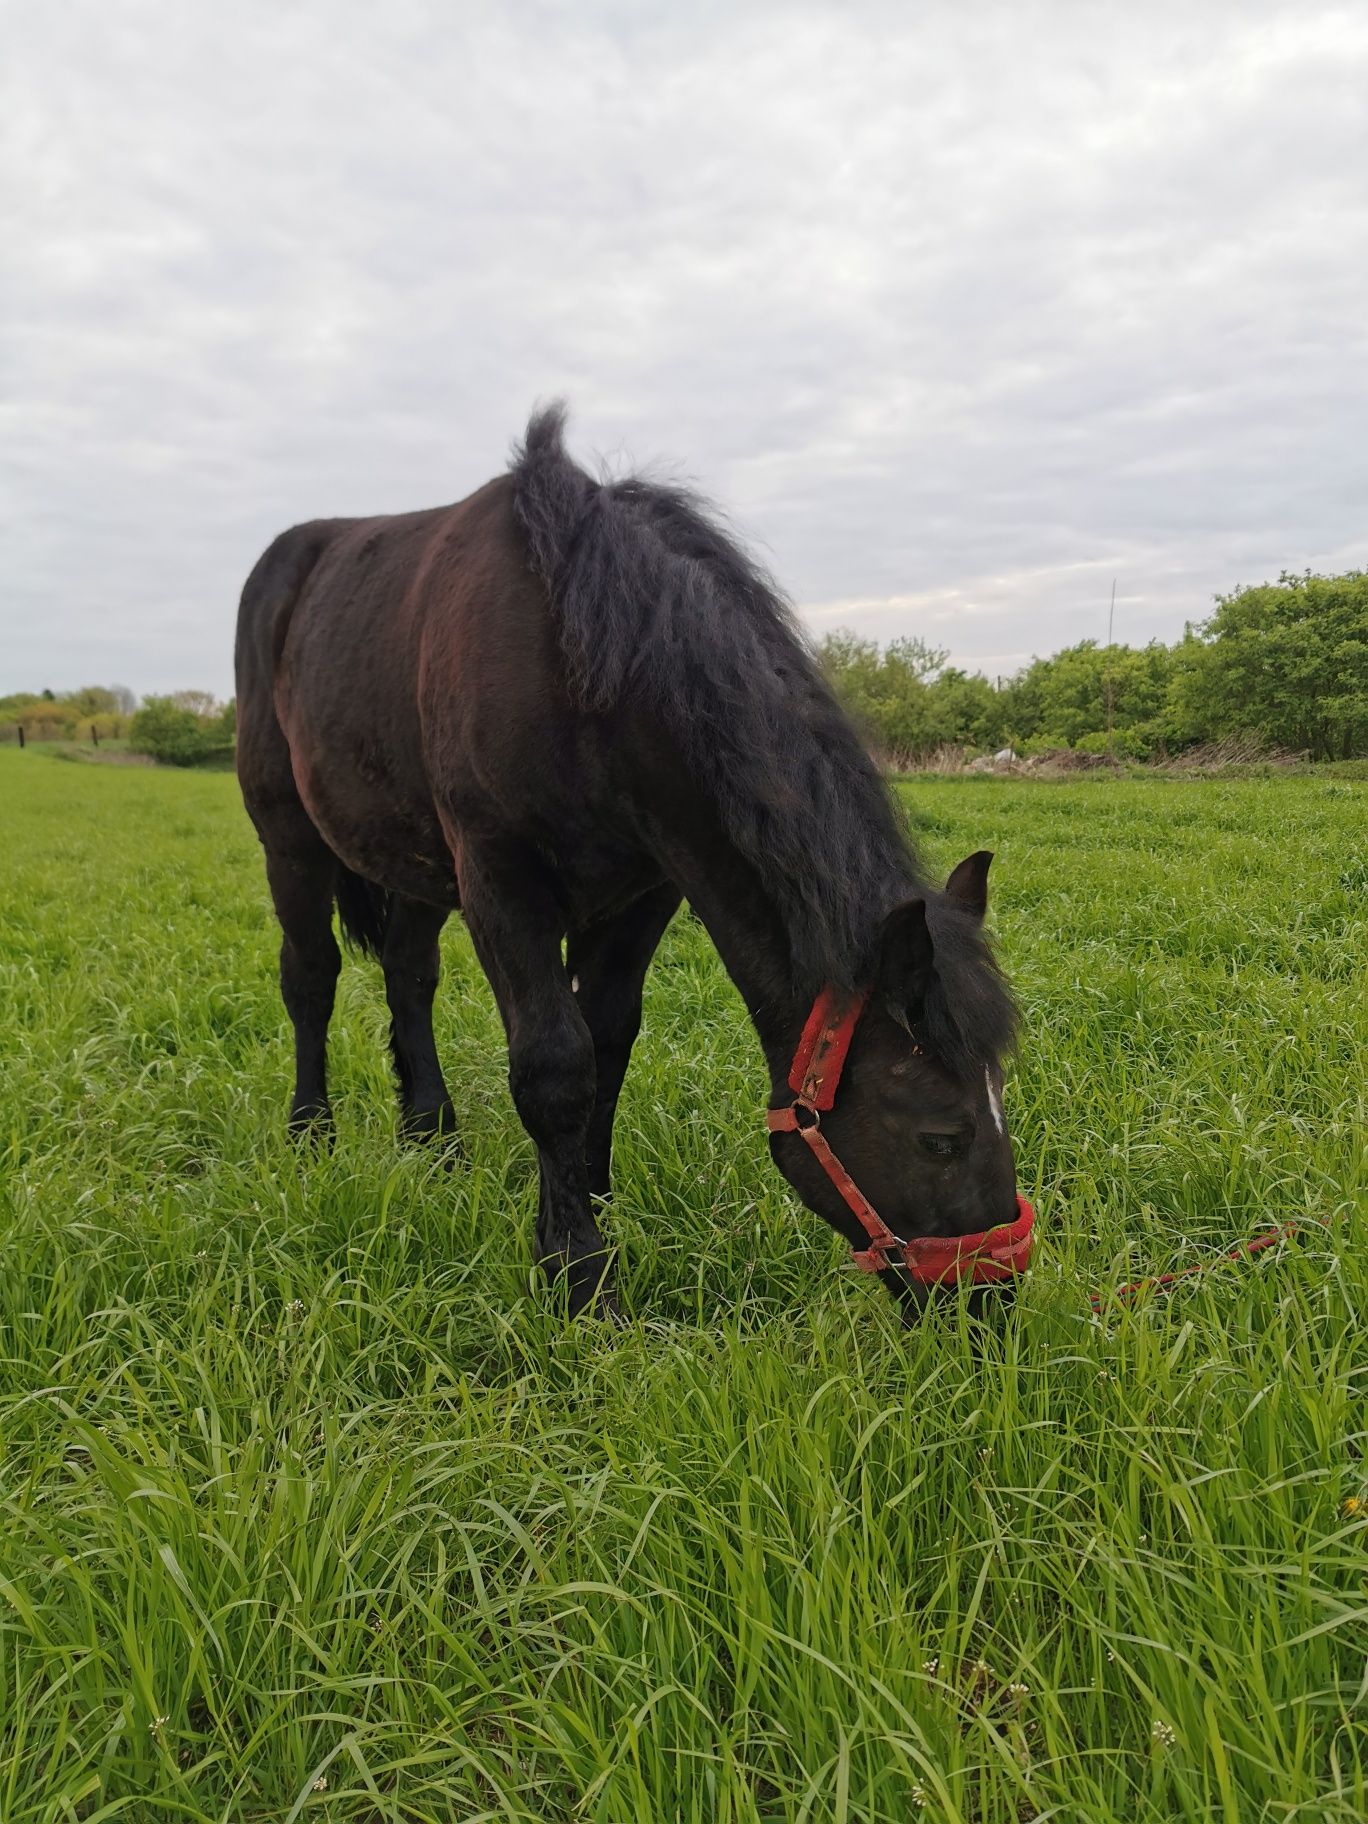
[311, 1509]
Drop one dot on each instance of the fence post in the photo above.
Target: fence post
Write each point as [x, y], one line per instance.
[20, 727]
[94, 738]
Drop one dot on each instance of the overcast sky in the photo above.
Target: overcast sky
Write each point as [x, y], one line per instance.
[958, 311]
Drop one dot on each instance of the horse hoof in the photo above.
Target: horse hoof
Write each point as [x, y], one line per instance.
[591, 1298]
[312, 1126]
[439, 1140]
[607, 1310]
[429, 1124]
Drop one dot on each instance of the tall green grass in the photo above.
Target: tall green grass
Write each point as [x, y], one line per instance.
[311, 1509]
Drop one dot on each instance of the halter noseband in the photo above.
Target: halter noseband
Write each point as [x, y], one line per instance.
[932, 1260]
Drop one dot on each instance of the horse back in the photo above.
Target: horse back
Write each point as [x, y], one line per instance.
[400, 675]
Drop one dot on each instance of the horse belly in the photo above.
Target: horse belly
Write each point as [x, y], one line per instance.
[385, 834]
[358, 772]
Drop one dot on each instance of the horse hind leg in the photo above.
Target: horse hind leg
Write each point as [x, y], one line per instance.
[409, 957]
[302, 879]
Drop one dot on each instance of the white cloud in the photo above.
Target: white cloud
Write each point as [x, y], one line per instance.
[959, 312]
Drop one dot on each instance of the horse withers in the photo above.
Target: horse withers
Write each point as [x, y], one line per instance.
[559, 706]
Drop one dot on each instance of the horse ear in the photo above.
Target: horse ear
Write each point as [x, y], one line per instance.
[906, 959]
[968, 884]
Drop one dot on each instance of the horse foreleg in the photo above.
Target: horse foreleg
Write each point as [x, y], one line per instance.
[516, 926]
[607, 965]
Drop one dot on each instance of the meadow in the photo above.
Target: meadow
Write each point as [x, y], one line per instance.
[311, 1508]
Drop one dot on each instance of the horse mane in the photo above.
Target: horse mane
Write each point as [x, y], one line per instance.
[652, 598]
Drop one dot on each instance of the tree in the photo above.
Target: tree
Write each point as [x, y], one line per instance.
[891, 691]
[91, 700]
[1072, 696]
[1287, 661]
[47, 716]
[179, 736]
[200, 703]
[977, 714]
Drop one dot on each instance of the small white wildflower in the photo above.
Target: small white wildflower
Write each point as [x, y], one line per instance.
[295, 1308]
[919, 1797]
[1164, 1735]
[1018, 1693]
[158, 1723]
[931, 1666]
[1110, 1654]
[321, 1783]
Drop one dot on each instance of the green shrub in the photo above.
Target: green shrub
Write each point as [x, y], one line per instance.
[1285, 664]
[1287, 661]
[177, 735]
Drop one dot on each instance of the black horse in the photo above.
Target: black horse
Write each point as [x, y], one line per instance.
[560, 706]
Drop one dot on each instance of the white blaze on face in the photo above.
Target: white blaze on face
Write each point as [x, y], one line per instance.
[993, 1102]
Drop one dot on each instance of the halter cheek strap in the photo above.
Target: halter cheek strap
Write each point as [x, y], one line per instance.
[991, 1254]
[824, 1045]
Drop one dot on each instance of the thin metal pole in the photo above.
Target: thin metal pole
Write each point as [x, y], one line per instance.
[1107, 679]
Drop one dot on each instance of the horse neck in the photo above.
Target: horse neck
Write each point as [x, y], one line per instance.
[747, 928]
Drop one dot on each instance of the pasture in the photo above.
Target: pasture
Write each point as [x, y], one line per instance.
[311, 1509]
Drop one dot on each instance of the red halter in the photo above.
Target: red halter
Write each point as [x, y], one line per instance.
[934, 1260]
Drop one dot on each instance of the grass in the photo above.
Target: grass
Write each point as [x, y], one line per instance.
[310, 1509]
[112, 751]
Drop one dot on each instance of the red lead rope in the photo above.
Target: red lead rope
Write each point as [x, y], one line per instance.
[934, 1260]
[1157, 1282]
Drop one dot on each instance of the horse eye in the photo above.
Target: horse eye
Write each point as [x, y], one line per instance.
[942, 1146]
